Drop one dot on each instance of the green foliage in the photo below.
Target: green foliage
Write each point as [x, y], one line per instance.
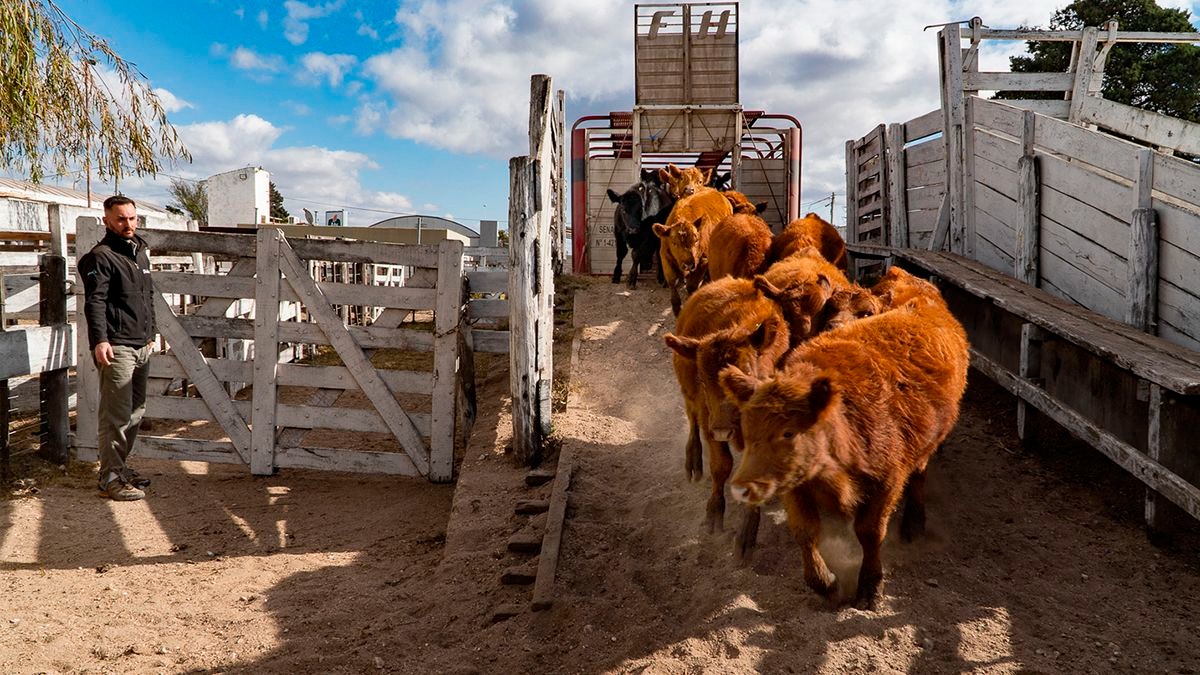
[192, 198]
[502, 238]
[277, 210]
[1162, 78]
[57, 112]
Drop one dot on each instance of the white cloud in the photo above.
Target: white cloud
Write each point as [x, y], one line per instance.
[327, 176]
[170, 102]
[263, 18]
[368, 32]
[295, 24]
[316, 66]
[240, 13]
[297, 107]
[339, 120]
[840, 66]
[244, 58]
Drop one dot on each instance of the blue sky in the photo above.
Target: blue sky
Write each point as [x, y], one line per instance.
[415, 106]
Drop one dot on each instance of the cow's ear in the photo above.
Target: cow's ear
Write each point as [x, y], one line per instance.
[699, 223]
[825, 285]
[768, 289]
[738, 385]
[706, 176]
[662, 230]
[613, 197]
[820, 393]
[671, 171]
[683, 346]
[760, 207]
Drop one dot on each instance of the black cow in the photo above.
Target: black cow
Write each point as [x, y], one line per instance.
[638, 208]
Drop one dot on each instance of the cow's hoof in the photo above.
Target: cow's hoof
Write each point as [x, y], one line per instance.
[616, 278]
[747, 538]
[867, 603]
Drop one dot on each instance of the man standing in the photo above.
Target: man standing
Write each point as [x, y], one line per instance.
[120, 317]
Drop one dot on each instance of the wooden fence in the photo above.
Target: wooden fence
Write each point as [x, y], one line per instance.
[266, 432]
[1038, 192]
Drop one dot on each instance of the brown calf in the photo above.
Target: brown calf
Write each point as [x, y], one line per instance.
[742, 204]
[727, 322]
[738, 246]
[802, 284]
[682, 183]
[852, 417]
[684, 248]
[811, 230]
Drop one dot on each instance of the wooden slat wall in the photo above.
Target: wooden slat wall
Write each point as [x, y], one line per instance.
[924, 177]
[765, 180]
[870, 209]
[1087, 199]
[604, 173]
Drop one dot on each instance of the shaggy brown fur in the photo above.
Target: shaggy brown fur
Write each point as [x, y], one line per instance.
[852, 417]
[727, 322]
[802, 284]
[847, 304]
[898, 287]
[741, 203]
[738, 246]
[810, 230]
[684, 248]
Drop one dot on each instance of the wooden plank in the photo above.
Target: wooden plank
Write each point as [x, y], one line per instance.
[487, 309]
[924, 198]
[338, 459]
[1178, 261]
[266, 346]
[87, 378]
[1083, 73]
[1030, 370]
[954, 120]
[543, 589]
[1081, 285]
[293, 416]
[368, 336]
[1077, 212]
[941, 231]
[491, 341]
[1144, 125]
[33, 350]
[212, 286]
[1029, 206]
[488, 281]
[350, 351]
[185, 449]
[897, 186]
[214, 395]
[1177, 178]
[1056, 109]
[999, 206]
[1098, 262]
[447, 323]
[213, 243]
[1145, 356]
[1150, 472]
[927, 174]
[993, 254]
[923, 125]
[928, 151]
[1002, 234]
[997, 149]
[1142, 289]
[1018, 81]
[997, 116]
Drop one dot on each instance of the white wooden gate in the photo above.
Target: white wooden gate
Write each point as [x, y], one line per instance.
[262, 430]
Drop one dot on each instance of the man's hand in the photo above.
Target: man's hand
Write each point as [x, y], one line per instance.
[103, 353]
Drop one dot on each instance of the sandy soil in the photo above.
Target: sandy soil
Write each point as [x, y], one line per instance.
[1035, 561]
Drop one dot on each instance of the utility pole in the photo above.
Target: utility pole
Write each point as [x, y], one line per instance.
[832, 197]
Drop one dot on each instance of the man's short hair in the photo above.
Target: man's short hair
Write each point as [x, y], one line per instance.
[118, 200]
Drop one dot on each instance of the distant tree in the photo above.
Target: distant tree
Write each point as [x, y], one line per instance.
[277, 210]
[191, 198]
[57, 113]
[1157, 77]
[502, 238]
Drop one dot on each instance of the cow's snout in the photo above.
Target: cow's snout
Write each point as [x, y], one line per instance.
[723, 435]
[751, 492]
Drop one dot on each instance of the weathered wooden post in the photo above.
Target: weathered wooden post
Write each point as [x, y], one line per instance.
[52, 384]
[88, 231]
[5, 458]
[896, 187]
[1028, 244]
[447, 320]
[541, 148]
[953, 122]
[522, 299]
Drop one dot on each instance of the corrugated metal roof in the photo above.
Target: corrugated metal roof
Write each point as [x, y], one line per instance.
[436, 222]
[53, 194]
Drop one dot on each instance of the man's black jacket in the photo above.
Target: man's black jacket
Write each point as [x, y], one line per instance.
[119, 295]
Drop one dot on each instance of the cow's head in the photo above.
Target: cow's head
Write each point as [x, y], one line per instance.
[784, 428]
[802, 299]
[681, 241]
[898, 287]
[754, 346]
[849, 304]
[720, 181]
[742, 204]
[627, 217]
[681, 183]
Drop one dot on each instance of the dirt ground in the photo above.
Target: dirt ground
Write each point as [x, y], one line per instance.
[1036, 561]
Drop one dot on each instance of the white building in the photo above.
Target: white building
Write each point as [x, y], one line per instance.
[239, 197]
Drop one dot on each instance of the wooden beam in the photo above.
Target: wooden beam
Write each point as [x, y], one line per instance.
[1083, 74]
[1029, 204]
[88, 231]
[1142, 290]
[266, 350]
[1145, 125]
[214, 395]
[34, 350]
[941, 231]
[1145, 469]
[447, 321]
[897, 187]
[543, 589]
[375, 389]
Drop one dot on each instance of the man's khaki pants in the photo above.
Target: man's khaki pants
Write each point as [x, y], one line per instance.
[122, 404]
